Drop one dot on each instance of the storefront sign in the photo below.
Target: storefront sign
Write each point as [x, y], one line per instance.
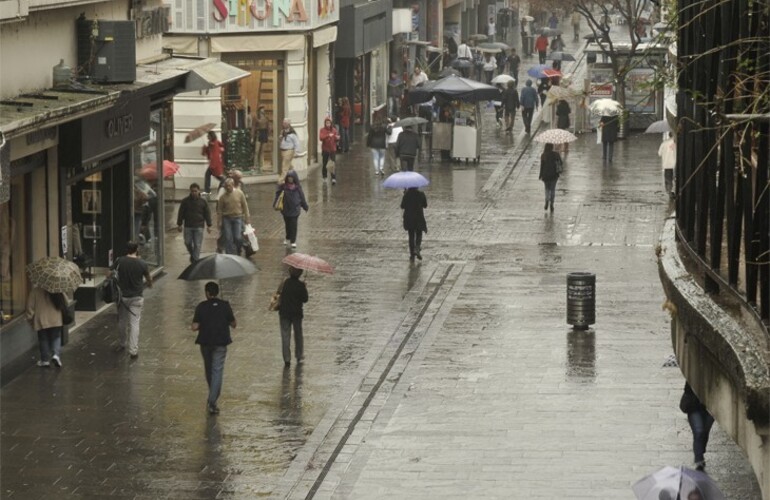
[239, 16]
[272, 10]
[115, 129]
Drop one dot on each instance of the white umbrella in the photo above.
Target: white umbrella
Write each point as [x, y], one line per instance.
[504, 79]
[528, 18]
[658, 127]
[556, 136]
[606, 107]
[678, 483]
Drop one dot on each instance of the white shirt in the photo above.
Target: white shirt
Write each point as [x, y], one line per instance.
[419, 78]
[491, 29]
[464, 52]
[667, 153]
[393, 137]
[491, 64]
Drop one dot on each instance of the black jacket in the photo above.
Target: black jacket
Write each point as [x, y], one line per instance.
[407, 144]
[610, 127]
[413, 203]
[549, 166]
[510, 99]
[562, 114]
[293, 296]
[194, 212]
[214, 317]
[376, 138]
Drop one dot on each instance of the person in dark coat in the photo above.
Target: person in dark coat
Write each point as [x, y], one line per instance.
[510, 105]
[529, 102]
[562, 118]
[376, 140]
[609, 126]
[293, 201]
[700, 421]
[293, 297]
[194, 214]
[407, 148]
[212, 320]
[550, 166]
[413, 203]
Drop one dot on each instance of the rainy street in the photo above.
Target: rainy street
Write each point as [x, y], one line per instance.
[453, 377]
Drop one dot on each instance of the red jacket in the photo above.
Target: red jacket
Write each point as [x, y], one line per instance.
[541, 44]
[345, 116]
[328, 138]
[213, 151]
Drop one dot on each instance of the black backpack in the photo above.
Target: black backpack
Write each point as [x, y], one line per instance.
[110, 288]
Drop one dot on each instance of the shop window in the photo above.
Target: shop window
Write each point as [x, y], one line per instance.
[149, 171]
[14, 245]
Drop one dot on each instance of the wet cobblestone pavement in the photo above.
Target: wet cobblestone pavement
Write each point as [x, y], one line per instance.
[455, 377]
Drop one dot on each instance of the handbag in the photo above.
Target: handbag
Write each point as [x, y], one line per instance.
[278, 205]
[110, 288]
[250, 240]
[67, 317]
[275, 300]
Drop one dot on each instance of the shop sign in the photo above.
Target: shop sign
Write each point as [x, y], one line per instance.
[33, 142]
[115, 129]
[234, 16]
[271, 10]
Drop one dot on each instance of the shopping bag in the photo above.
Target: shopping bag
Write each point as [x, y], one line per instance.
[331, 167]
[278, 205]
[251, 237]
[598, 135]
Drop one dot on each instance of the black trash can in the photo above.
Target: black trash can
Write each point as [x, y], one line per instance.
[581, 299]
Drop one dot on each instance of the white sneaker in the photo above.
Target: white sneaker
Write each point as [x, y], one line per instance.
[294, 245]
[334, 181]
[44, 364]
[286, 242]
[56, 360]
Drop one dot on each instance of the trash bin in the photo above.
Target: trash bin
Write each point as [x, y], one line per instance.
[581, 299]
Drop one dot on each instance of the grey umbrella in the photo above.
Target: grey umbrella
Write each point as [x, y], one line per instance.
[561, 56]
[410, 121]
[448, 71]
[658, 127]
[494, 45]
[218, 266]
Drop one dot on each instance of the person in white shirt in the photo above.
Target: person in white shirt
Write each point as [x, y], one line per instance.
[463, 51]
[418, 77]
[491, 30]
[490, 65]
[390, 152]
[667, 153]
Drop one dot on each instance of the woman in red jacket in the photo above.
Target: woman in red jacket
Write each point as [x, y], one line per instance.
[345, 112]
[214, 151]
[329, 137]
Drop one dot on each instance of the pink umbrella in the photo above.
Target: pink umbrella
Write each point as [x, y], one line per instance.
[308, 263]
[150, 170]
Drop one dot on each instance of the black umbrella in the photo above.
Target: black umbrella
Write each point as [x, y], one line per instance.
[448, 71]
[218, 266]
[455, 87]
[462, 63]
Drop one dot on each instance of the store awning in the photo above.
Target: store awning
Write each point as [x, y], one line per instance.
[212, 73]
[324, 36]
[257, 43]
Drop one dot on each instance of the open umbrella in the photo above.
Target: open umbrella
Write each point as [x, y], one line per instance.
[448, 71]
[308, 263]
[150, 170]
[556, 136]
[662, 27]
[678, 482]
[488, 50]
[550, 72]
[410, 121]
[455, 87]
[462, 63]
[199, 132]
[405, 180]
[504, 79]
[537, 71]
[218, 266]
[494, 45]
[551, 31]
[528, 18]
[606, 107]
[658, 127]
[478, 37]
[561, 56]
[55, 275]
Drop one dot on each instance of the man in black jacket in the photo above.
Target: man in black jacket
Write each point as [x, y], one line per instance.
[293, 297]
[194, 212]
[212, 320]
[407, 148]
[510, 105]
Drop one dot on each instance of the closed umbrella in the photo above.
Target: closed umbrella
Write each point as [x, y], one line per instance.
[55, 275]
[308, 263]
[405, 180]
[218, 266]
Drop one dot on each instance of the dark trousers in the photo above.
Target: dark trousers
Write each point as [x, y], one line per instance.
[526, 116]
[286, 325]
[668, 179]
[407, 163]
[214, 365]
[541, 56]
[607, 150]
[291, 223]
[207, 180]
[325, 157]
[700, 423]
[415, 241]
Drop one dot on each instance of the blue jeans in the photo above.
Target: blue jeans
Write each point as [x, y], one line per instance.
[700, 423]
[129, 318]
[50, 342]
[299, 344]
[193, 240]
[378, 157]
[232, 231]
[550, 191]
[214, 365]
[345, 139]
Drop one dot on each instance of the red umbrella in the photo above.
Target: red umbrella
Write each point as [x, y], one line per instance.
[150, 170]
[308, 263]
[551, 72]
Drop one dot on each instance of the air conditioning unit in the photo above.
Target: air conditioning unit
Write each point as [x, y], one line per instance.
[106, 51]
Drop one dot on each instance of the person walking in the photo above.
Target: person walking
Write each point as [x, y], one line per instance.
[575, 21]
[44, 313]
[700, 421]
[414, 203]
[376, 140]
[491, 29]
[214, 151]
[464, 53]
[498, 105]
[550, 168]
[563, 111]
[407, 148]
[346, 113]
[232, 214]
[514, 61]
[557, 44]
[133, 274]
[510, 105]
[261, 131]
[329, 138]
[392, 133]
[213, 319]
[293, 201]
[193, 214]
[395, 93]
[608, 125]
[289, 144]
[529, 101]
[293, 297]
[553, 21]
[541, 46]
[667, 153]
[490, 65]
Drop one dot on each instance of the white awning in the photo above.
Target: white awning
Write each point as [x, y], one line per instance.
[211, 73]
[324, 36]
[257, 43]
